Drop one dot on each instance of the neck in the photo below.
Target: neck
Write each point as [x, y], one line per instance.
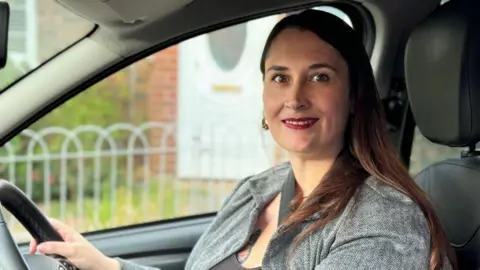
[309, 172]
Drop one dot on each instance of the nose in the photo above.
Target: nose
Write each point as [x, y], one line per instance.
[296, 98]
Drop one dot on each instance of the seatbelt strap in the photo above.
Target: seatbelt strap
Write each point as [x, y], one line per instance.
[286, 196]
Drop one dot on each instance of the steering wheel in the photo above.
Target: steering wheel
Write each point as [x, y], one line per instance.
[28, 214]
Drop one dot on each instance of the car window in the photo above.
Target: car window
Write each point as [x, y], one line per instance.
[38, 30]
[425, 153]
[169, 136]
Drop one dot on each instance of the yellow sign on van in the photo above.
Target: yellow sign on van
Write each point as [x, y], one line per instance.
[226, 88]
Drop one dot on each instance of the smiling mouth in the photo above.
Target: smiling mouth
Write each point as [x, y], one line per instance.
[299, 123]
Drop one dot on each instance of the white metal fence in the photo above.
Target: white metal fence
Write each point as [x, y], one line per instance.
[94, 177]
[102, 177]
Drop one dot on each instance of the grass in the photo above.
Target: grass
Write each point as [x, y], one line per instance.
[159, 201]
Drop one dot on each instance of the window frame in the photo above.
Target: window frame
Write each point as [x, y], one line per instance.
[360, 17]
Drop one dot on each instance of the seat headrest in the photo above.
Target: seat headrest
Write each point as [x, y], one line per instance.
[442, 71]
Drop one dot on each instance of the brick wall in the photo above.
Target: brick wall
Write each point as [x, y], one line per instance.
[162, 101]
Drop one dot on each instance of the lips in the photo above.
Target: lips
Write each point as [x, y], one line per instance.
[299, 123]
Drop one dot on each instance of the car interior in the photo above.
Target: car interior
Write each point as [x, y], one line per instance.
[425, 55]
[441, 61]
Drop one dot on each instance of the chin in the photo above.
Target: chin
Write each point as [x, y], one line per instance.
[297, 143]
[300, 148]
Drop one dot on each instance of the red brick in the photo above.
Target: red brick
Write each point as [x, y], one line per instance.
[162, 98]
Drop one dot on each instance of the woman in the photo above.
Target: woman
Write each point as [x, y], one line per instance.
[343, 201]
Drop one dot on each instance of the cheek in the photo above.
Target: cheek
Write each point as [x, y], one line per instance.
[341, 110]
[272, 104]
[334, 104]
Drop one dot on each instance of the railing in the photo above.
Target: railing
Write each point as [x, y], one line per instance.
[94, 178]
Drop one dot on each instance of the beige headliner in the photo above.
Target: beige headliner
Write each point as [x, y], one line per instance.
[171, 19]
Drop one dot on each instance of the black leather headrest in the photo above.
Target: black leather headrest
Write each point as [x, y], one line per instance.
[442, 70]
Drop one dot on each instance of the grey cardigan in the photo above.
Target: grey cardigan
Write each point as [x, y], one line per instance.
[379, 229]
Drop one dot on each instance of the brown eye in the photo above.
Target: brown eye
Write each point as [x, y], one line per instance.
[321, 78]
[280, 79]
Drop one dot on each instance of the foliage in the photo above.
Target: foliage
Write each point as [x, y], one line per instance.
[9, 74]
[143, 206]
[103, 104]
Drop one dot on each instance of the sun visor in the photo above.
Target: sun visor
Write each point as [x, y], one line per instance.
[113, 12]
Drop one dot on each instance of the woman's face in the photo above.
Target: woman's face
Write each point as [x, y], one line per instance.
[306, 94]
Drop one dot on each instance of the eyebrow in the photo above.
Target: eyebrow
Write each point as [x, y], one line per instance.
[314, 66]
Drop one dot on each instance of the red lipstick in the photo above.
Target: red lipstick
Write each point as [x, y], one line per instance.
[299, 123]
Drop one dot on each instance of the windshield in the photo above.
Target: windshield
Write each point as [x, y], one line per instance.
[38, 30]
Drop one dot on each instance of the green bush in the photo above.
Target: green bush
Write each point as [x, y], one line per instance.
[102, 105]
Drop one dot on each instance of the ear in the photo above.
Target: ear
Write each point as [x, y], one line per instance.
[265, 123]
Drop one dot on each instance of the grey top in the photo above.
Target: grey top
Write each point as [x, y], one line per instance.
[385, 230]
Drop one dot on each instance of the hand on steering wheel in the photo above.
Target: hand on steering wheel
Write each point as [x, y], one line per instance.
[66, 247]
[76, 249]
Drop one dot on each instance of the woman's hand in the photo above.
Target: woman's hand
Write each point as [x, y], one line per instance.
[76, 249]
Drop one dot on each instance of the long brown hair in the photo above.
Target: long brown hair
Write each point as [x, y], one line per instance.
[368, 151]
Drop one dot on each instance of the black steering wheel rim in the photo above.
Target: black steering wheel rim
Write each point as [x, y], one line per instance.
[30, 216]
[27, 213]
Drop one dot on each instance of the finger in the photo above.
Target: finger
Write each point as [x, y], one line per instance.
[59, 248]
[33, 246]
[57, 224]
[65, 231]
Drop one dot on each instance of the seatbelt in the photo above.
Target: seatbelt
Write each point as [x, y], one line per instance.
[286, 196]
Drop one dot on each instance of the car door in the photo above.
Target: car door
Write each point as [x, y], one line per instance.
[141, 161]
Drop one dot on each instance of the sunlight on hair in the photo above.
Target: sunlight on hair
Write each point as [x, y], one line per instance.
[337, 12]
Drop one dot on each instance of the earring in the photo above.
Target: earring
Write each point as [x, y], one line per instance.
[264, 123]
